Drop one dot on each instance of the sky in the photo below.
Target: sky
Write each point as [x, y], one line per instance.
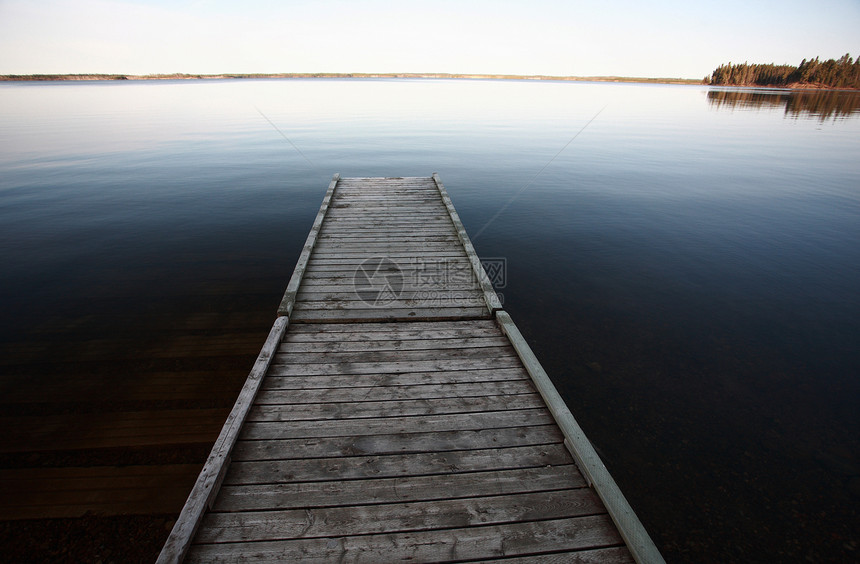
[636, 38]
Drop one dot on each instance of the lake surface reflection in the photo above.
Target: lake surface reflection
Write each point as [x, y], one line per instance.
[685, 262]
[823, 104]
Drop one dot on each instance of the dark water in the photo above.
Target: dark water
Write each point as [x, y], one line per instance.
[687, 268]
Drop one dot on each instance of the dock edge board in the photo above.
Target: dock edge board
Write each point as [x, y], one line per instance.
[289, 299]
[638, 541]
[209, 481]
[490, 296]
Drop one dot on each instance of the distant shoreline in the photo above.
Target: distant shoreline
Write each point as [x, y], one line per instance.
[405, 75]
[183, 76]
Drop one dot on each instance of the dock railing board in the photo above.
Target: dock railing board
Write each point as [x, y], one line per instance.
[396, 412]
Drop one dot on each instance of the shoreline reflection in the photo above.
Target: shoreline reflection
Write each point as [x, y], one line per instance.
[821, 104]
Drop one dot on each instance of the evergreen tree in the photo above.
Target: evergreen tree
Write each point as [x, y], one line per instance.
[841, 73]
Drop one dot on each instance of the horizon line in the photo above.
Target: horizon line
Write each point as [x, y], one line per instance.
[474, 76]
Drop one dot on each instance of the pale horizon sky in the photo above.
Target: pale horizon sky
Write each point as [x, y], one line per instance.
[659, 38]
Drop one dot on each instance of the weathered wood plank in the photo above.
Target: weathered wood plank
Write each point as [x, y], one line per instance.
[380, 227]
[428, 280]
[404, 238]
[414, 516]
[417, 243]
[418, 210]
[390, 197]
[427, 273]
[610, 555]
[345, 218]
[370, 185]
[432, 272]
[393, 465]
[402, 258]
[400, 215]
[417, 277]
[369, 247]
[418, 301]
[356, 206]
[435, 220]
[302, 495]
[388, 393]
[404, 196]
[427, 546]
[392, 408]
[382, 425]
[320, 287]
[408, 326]
[314, 311]
[287, 356]
[382, 230]
[336, 241]
[275, 382]
[396, 443]
[423, 272]
[353, 193]
[378, 243]
[318, 291]
[392, 344]
[377, 314]
[404, 226]
[370, 188]
[441, 365]
[422, 200]
[365, 332]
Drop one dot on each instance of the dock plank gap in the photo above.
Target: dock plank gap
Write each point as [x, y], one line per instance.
[395, 412]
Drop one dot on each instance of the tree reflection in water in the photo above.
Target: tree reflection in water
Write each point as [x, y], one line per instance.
[823, 104]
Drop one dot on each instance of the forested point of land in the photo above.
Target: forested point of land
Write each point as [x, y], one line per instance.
[832, 73]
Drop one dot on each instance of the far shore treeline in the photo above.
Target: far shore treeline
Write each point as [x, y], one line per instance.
[832, 73]
[843, 73]
[338, 75]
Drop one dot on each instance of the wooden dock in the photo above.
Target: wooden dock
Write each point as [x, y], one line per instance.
[396, 413]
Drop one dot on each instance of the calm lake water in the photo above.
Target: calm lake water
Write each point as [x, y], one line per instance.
[685, 261]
